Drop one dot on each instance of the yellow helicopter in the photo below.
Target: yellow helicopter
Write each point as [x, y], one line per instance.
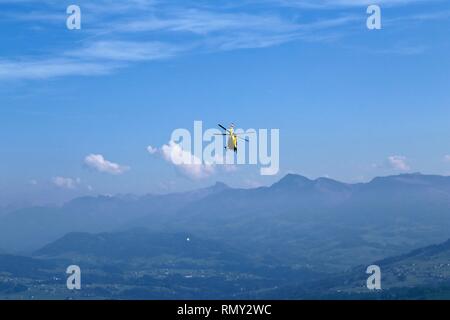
[233, 137]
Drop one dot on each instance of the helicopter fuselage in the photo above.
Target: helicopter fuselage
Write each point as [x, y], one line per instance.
[232, 141]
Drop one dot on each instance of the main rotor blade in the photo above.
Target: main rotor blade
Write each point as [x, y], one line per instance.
[240, 134]
[245, 139]
[223, 127]
[221, 134]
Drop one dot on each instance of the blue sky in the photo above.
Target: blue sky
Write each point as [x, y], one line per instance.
[350, 103]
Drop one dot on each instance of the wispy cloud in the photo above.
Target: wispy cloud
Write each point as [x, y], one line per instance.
[311, 31]
[333, 4]
[204, 22]
[34, 16]
[116, 34]
[99, 57]
[50, 68]
[126, 51]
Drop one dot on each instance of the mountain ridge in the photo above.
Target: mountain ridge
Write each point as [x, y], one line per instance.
[321, 222]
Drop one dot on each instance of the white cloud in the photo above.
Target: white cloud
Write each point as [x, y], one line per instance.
[65, 183]
[98, 162]
[186, 163]
[398, 163]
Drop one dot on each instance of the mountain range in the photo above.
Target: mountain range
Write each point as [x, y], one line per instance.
[323, 224]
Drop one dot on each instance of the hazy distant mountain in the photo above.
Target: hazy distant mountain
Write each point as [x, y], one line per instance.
[138, 243]
[31, 228]
[323, 224]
